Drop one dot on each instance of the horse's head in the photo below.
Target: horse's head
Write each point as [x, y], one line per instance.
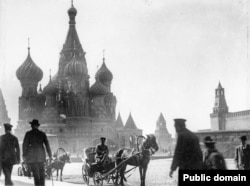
[65, 157]
[151, 140]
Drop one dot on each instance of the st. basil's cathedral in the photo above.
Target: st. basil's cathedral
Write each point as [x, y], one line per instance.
[72, 113]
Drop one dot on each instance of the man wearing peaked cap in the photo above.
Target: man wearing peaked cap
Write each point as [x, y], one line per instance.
[9, 152]
[187, 155]
[34, 152]
[102, 151]
[212, 158]
[242, 154]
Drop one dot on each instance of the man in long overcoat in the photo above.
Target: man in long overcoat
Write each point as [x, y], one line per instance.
[242, 155]
[212, 158]
[9, 152]
[34, 152]
[187, 155]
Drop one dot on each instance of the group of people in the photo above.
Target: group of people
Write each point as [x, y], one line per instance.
[33, 152]
[189, 156]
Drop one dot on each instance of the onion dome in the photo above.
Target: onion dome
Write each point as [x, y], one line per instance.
[75, 68]
[104, 73]
[51, 88]
[72, 14]
[29, 70]
[98, 88]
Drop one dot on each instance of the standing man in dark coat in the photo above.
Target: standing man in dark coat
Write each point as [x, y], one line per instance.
[242, 155]
[187, 155]
[9, 152]
[212, 158]
[34, 152]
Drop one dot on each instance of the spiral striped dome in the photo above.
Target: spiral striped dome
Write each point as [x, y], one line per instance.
[98, 88]
[29, 70]
[75, 68]
[104, 74]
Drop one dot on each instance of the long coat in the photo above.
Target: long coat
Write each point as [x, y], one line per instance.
[187, 155]
[242, 157]
[9, 149]
[33, 146]
[213, 160]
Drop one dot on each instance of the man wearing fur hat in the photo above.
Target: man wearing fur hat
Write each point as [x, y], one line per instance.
[34, 152]
[212, 159]
[9, 152]
[242, 154]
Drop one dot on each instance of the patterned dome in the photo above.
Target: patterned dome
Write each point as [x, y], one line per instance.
[51, 88]
[98, 88]
[104, 74]
[75, 68]
[29, 70]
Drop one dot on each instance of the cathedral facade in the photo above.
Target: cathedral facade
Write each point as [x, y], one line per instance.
[71, 111]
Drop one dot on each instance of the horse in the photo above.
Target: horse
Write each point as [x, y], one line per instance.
[58, 164]
[139, 159]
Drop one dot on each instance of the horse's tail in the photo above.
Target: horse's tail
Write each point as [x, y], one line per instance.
[137, 141]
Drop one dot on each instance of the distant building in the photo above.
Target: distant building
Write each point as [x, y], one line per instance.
[164, 138]
[226, 127]
[68, 107]
[4, 118]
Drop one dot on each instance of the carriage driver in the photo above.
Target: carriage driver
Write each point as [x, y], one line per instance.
[101, 151]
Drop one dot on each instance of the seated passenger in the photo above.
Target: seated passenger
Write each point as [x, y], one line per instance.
[102, 151]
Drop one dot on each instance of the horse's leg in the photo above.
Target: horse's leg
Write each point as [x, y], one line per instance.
[144, 171]
[57, 174]
[61, 174]
[140, 171]
[123, 169]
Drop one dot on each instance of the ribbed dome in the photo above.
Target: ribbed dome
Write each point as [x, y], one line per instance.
[51, 88]
[75, 68]
[104, 74]
[29, 70]
[98, 88]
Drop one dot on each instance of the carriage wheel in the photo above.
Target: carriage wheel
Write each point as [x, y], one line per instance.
[19, 171]
[85, 174]
[97, 178]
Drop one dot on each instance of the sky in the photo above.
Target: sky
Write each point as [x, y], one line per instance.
[165, 55]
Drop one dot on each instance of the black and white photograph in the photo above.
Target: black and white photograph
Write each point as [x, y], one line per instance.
[123, 92]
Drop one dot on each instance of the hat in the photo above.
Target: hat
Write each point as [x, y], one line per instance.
[208, 140]
[7, 125]
[180, 121]
[243, 137]
[102, 138]
[34, 122]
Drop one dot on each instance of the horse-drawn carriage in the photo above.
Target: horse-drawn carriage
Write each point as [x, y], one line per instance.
[115, 169]
[97, 170]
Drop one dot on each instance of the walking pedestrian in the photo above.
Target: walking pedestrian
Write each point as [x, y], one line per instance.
[187, 155]
[9, 153]
[212, 158]
[34, 152]
[242, 155]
